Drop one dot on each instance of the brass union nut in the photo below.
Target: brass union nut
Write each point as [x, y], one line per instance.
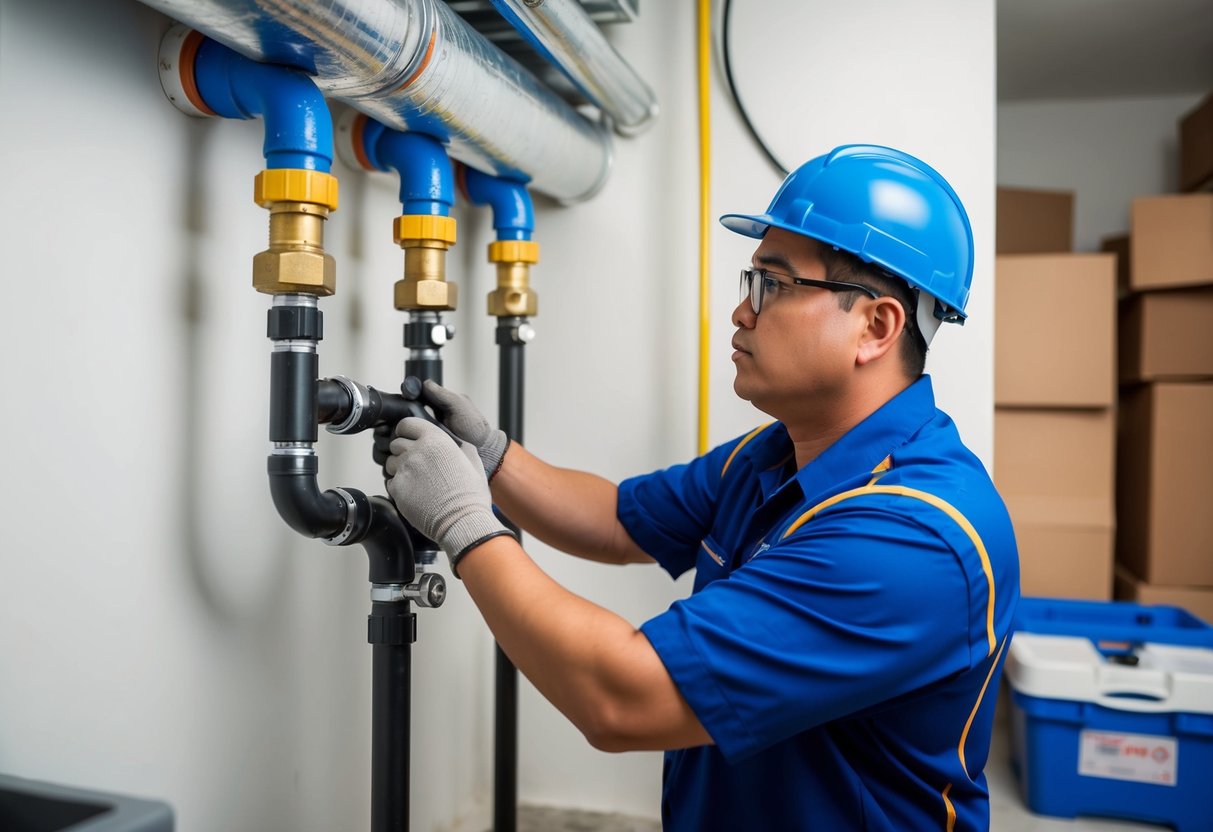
[426, 294]
[294, 185]
[513, 251]
[417, 227]
[291, 272]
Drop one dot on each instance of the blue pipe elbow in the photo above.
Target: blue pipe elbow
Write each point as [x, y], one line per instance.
[427, 180]
[298, 127]
[513, 211]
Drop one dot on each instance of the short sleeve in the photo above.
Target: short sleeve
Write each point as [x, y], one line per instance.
[668, 512]
[856, 608]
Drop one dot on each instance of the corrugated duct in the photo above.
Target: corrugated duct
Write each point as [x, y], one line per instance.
[416, 65]
[562, 31]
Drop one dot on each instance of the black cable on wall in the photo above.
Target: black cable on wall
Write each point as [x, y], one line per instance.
[728, 74]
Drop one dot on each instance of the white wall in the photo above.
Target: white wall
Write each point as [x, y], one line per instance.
[161, 631]
[1106, 150]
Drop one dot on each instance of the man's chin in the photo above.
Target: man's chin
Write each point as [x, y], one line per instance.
[741, 390]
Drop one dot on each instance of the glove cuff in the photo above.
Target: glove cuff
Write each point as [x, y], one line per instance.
[470, 530]
[455, 558]
[492, 453]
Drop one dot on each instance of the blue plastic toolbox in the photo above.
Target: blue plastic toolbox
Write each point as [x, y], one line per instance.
[1112, 712]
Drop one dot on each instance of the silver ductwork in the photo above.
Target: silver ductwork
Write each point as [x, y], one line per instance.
[415, 65]
[562, 31]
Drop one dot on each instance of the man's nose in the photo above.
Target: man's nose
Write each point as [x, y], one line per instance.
[743, 315]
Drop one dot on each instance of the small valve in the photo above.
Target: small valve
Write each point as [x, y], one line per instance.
[441, 333]
[429, 591]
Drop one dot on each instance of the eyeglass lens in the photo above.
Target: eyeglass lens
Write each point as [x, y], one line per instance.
[752, 286]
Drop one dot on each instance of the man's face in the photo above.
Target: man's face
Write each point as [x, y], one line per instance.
[801, 347]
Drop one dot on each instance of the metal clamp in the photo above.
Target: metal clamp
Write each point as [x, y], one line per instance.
[359, 398]
[429, 591]
[350, 506]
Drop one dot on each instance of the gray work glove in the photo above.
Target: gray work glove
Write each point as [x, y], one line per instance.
[461, 418]
[440, 489]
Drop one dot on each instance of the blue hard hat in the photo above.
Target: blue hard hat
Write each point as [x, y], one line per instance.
[887, 208]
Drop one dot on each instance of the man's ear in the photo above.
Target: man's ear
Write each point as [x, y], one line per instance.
[886, 320]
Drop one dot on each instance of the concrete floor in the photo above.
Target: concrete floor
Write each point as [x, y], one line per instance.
[1007, 812]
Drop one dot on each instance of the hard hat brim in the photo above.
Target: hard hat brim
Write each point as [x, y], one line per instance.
[751, 225]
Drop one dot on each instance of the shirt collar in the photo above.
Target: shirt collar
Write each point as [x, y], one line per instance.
[864, 446]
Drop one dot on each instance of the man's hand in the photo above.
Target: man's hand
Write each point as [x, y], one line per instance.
[461, 418]
[440, 488]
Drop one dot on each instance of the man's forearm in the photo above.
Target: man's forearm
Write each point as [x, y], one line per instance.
[595, 667]
[572, 511]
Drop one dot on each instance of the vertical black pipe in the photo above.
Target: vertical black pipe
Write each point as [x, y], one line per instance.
[391, 631]
[510, 381]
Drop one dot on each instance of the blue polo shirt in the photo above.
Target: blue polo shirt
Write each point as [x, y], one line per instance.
[845, 636]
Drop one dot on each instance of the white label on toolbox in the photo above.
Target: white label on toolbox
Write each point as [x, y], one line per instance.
[1140, 757]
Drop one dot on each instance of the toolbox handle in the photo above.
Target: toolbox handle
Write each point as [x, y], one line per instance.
[1134, 689]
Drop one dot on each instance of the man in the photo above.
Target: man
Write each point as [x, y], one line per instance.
[837, 663]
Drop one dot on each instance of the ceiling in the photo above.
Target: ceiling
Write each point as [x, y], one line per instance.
[1103, 48]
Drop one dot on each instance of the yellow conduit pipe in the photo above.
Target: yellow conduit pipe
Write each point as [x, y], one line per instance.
[705, 205]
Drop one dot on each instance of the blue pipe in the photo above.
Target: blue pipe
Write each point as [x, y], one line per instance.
[513, 212]
[427, 180]
[298, 127]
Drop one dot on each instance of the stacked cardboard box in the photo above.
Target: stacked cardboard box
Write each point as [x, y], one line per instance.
[1033, 222]
[1164, 547]
[1054, 395]
[1196, 147]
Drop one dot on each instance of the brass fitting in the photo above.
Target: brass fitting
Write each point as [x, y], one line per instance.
[513, 296]
[299, 202]
[425, 240]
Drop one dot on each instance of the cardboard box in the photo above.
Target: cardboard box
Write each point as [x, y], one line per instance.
[1172, 241]
[1119, 246]
[1055, 330]
[1064, 561]
[1196, 600]
[1167, 335]
[1032, 221]
[1196, 147]
[1055, 470]
[1061, 458]
[1165, 462]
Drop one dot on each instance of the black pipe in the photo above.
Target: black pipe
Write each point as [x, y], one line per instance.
[332, 401]
[391, 630]
[298, 403]
[510, 380]
[293, 371]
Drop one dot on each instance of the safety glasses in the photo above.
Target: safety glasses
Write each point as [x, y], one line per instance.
[758, 284]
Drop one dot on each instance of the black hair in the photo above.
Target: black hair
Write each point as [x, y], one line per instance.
[846, 267]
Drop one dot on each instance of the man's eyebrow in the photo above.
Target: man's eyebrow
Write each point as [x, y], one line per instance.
[776, 261]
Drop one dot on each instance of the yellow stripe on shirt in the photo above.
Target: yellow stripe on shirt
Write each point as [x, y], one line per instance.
[742, 444]
[930, 499]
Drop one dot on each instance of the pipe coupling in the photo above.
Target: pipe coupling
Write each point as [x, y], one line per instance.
[513, 296]
[295, 262]
[425, 240]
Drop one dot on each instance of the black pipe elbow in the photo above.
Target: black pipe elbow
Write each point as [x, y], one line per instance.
[387, 544]
[299, 500]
